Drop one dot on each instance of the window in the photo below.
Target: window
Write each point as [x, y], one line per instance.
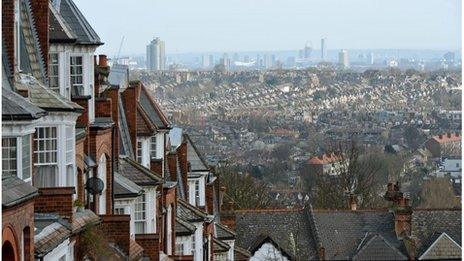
[77, 83]
[153, 147]
[119, 211]
[9, 156]
[139, 152]
[53, 74]
[179, 249]
[69, 156]
[26, 151]
[46, 157]
[140, 214]
[197, 192]
[193, 245]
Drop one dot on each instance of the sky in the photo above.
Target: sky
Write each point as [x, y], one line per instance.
[266, 25]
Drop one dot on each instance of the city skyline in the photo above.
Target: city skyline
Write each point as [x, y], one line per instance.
[207, 26]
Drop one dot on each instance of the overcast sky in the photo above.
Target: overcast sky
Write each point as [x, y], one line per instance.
[250, 25]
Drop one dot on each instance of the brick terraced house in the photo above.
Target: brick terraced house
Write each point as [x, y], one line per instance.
[88, 170]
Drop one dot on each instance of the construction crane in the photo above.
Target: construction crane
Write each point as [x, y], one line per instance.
[119, 51]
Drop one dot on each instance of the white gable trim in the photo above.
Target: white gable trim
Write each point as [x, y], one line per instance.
[436, 241]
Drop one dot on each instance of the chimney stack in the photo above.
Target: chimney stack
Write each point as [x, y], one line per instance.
[353, 204]
[440, 136]
[102, 60]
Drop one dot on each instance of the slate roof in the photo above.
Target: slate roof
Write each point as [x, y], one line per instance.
[427, 224]
[442, 248]
[283, 226]
[197, 162]
[219, 246]
[189, 213]
[76, 22]
[151, 107]
[45, 98]
[58, 31]
[341, 232]
[375, 247]
[137, 173]
[184, 228]
[15, 107]
[144, 125]
[124, 187]
[119, 76]
[84, 219]
[50, 231]
[15, 191]
[224, 233]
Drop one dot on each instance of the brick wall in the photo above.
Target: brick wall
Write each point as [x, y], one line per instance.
[40, 13]
[210, 197]
[101, 143]
[112, 94]
[80, 169]
[150, 244]
[117, 230]
[183, 162]
[172, 166]
[103, 107]
[83, 119]
[18, 218]
[8, 30]
[156, 165]
[182, 258]
[55, 200]
[130, 108]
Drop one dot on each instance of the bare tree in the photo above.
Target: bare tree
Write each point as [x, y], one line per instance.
[438, 193]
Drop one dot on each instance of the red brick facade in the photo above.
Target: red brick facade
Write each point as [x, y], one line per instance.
[55, 200]
[150, 244]
[40, 12]
[117, 230]
[15, 221]
[8, 31]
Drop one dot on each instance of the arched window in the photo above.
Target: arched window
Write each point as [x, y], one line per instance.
[26, 244]
[102, 176]
[8, 252]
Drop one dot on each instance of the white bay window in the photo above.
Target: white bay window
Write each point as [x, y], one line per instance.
[77, 75]
[140, 214]
[53, 72]
[16, 157]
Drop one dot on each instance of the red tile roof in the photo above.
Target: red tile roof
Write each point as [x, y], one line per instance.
[324, 159]
[447, 137]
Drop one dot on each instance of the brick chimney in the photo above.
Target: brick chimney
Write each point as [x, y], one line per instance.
[55, 200]
[117, 230]
[403, 215]
[172, 165]
[440, 136]
[210, 197]
[156, 165]
[102, 60]
[184, 165]
[129, 98]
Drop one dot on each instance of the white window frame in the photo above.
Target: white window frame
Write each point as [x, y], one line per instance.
[153, 149]
[21, 154]
[7, 159]
[70, 156]
[179, 248]
[140, 212]
[102, 175]
[81, 86]
[53, 152]
[139, 151]
[54, 76]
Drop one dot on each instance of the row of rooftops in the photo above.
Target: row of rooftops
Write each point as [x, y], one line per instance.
[343, 234]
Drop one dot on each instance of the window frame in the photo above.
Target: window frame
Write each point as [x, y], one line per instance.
[139, 151]
[50, 75]
[8, 148]
[75, 75]
[140, 208]
[153, 144]
[37, 152]
[20, 157]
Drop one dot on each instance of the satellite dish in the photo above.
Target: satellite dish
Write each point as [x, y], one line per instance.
[95, 185]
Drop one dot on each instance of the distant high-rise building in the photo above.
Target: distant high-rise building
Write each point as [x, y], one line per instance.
[211, 60]
[156, 56]
[205, 61]
[370, 58]
[449, 57]
[307, 51]
[343, 58]
[323, 49]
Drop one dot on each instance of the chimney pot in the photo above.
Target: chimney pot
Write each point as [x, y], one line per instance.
[448, 134]
[440, 136]
[457, 134]
[102, 60]
[390, 187]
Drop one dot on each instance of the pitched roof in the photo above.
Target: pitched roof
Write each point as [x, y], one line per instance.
[284, 226]
[444, 137]
[16, 107]
[153, 109]
[241, 254]
[50, 231]
[443, 248]
[224, 233]
[76, 23]
[184, 228]
[219, 246]
[341, 232]
[189, 213]
[144, 126]
[197, 162]
[124, 187]
[427, 224]
[58, 30]
[325, 159]
[44, 97]
[375, 247]
[15, 190]
[137, 173]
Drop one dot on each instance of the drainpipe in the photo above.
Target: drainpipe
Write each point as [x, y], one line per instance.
[112, 167]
